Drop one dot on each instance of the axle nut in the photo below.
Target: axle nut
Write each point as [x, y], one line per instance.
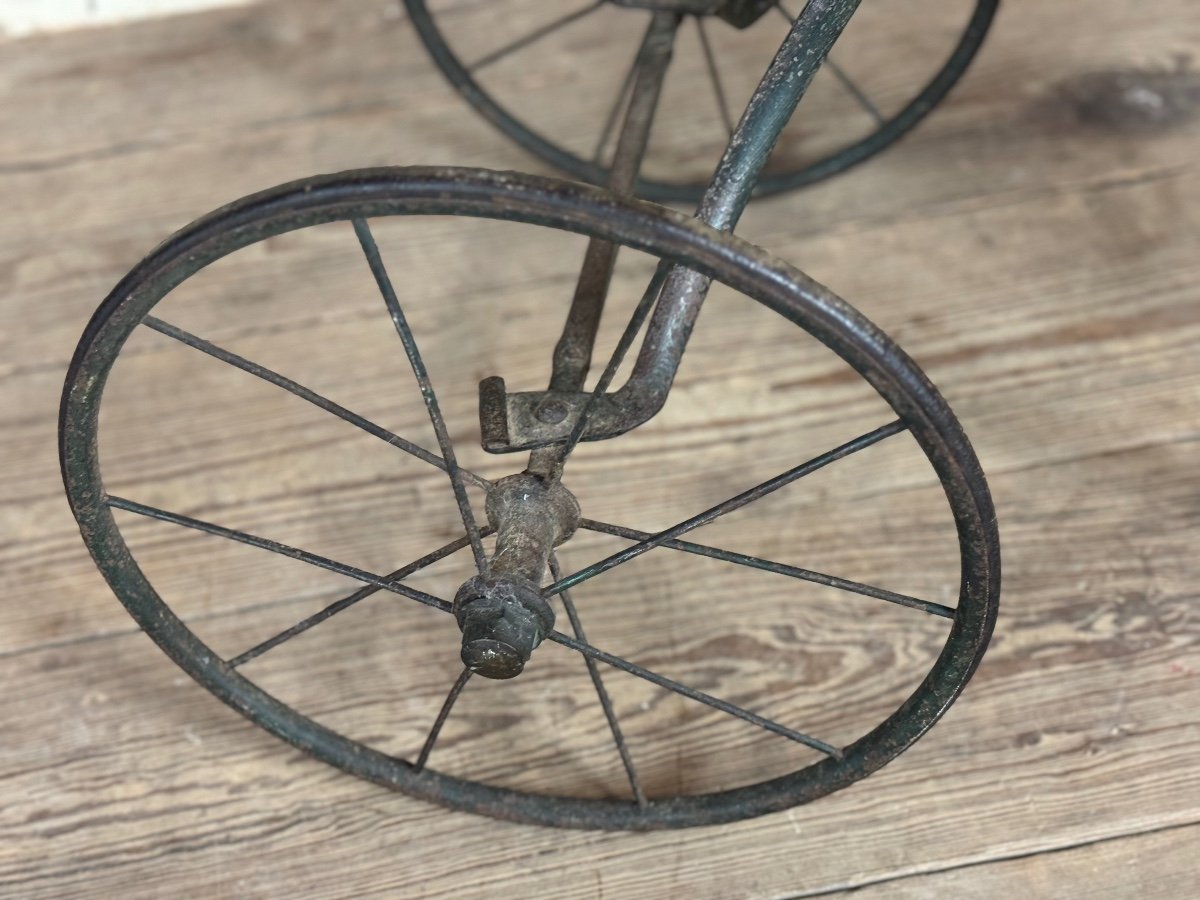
[551, 411]
[503, 618]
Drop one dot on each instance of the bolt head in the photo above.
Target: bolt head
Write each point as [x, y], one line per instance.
[551, 412]
[492, 658]
[502, 619]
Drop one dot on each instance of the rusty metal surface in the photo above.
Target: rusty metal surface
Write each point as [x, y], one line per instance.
[502, 612]
[780, 90]
[573, 353]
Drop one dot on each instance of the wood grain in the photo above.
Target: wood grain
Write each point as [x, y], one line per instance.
[1156, 864]
[1038, 263]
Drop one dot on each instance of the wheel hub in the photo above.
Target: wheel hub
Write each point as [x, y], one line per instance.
[501, 612]
[740, 13]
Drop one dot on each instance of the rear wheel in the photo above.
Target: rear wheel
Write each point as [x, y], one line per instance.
[808, 158]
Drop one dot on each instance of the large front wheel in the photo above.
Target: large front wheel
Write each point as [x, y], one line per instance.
[919, 418]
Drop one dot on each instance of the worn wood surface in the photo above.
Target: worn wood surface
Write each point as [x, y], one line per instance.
[1033, 245]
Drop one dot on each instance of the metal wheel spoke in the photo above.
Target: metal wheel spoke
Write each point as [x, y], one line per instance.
[443, 714]
[536, 35]
[614, 112]
[375, 261]
[313, 559]
[767, 565]
[304, 393]
[346, 602]
[714, 75]
[691, 693]
[849, 84]
[746, 497]
[601, 692]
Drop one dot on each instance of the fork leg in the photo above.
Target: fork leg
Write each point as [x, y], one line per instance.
[572, 355]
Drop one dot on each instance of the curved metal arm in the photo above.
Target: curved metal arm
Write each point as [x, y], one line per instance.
[511, 421]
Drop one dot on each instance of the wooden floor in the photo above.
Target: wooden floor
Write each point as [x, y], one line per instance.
[1035, 246]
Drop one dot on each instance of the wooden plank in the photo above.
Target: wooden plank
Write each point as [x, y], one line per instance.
[1040, 265]
[1158, 864]
[1073, 723]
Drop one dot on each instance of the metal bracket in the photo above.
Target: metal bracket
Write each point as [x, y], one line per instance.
[528, 420]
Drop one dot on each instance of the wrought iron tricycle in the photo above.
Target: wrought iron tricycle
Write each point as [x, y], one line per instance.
[506, 609]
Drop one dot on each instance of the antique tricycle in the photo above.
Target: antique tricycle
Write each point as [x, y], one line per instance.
[507, 607]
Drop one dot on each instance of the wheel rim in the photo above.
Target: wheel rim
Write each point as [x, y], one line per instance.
[887, 133]
[592, 212]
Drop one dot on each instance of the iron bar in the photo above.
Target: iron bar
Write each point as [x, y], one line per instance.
[443, 714]
[847, 82]
[632, 327]
[767, 565]
[784, 84]
[781, 89]
[304, 393]
[746, 497]
[375, 261]
[573, 352]
[610, 714]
